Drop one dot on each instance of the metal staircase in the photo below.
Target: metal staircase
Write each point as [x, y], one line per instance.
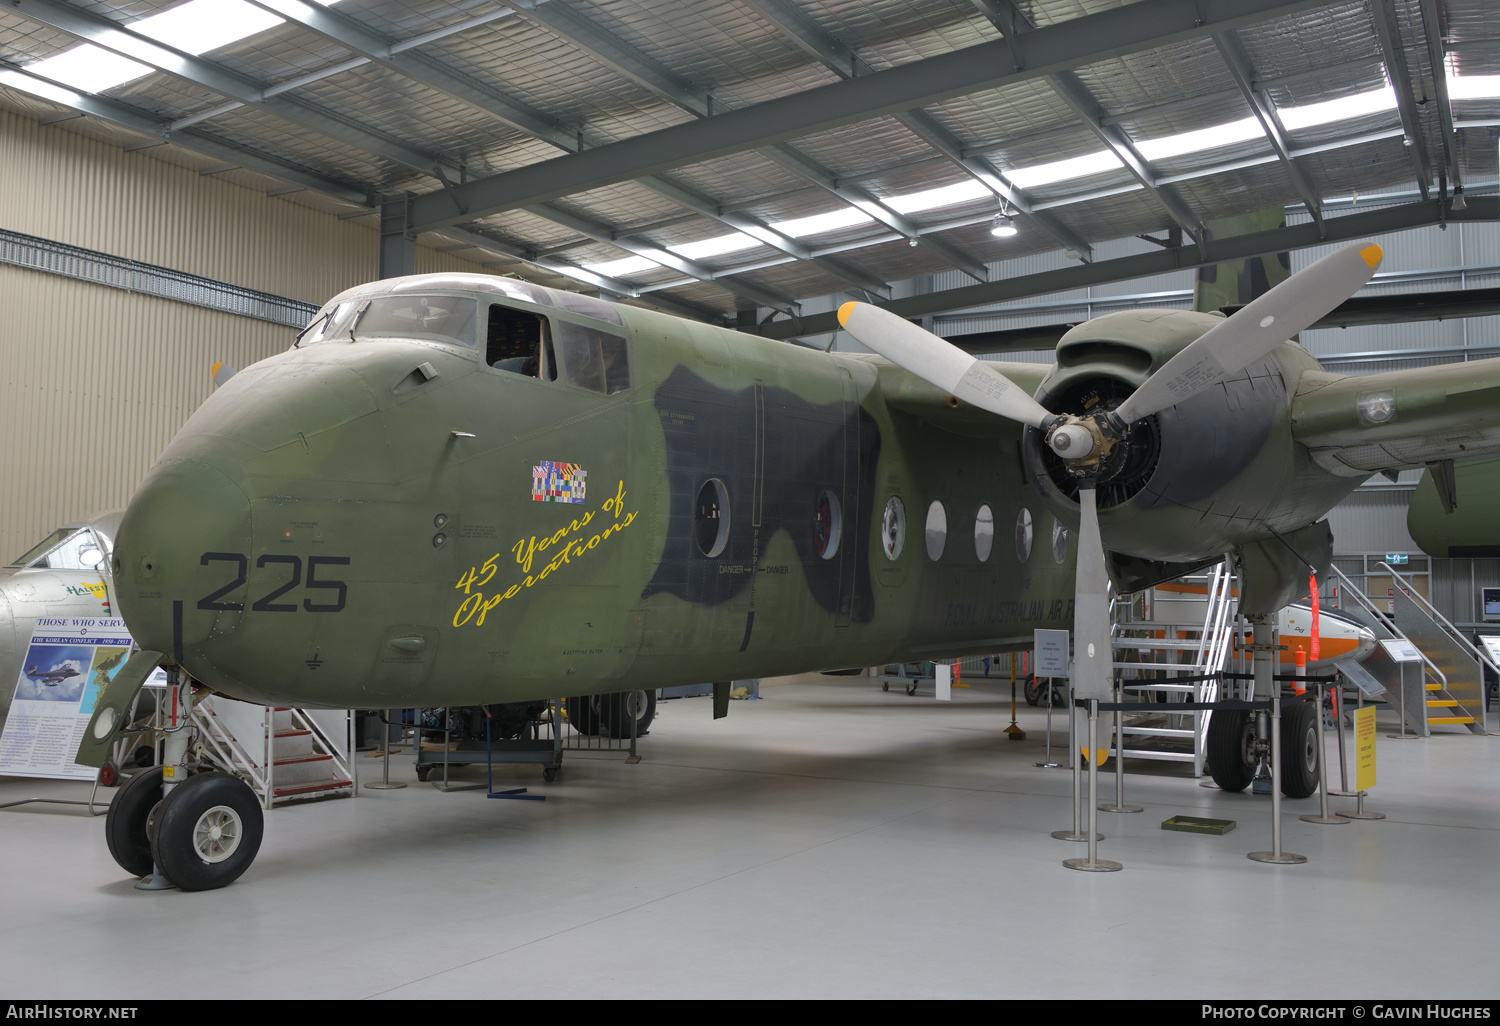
[1166, 661]
[1451, 688]
[283, 754]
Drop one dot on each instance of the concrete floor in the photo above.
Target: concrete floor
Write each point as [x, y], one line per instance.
[829, 840]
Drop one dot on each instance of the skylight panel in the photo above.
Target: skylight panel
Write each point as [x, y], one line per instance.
[1343, 109]
[1473, 87]
[623, 267]
[202, 25]
[1061, 170]
[89, 68]
[46, 90]
[734, 242]
[844, 217]
[944, 196]
[1201, 139]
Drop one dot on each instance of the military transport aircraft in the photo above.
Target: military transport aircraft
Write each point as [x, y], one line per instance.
[461, 489]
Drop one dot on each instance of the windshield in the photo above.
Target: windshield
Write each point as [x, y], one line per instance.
[329, 323]
[67, 548]
[437, 318]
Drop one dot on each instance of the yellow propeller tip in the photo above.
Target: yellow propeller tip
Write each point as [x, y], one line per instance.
[1372, 254]
[214, 371]
[845, 312]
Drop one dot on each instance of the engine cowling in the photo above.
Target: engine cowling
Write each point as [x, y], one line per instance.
[1198, 478]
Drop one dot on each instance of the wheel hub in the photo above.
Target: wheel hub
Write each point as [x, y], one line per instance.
[216, 836]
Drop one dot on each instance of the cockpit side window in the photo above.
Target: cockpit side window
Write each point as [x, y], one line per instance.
[67, 548]
[519, 342]
[594, 359]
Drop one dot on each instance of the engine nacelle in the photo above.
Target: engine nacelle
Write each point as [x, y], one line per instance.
[1196, 479]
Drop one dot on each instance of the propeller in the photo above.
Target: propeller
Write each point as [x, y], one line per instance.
[1250, 334]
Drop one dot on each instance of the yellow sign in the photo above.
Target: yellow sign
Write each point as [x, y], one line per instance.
[1364, 748]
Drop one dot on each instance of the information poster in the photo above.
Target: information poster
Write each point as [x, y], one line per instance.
[69, 662]
[1364, 748]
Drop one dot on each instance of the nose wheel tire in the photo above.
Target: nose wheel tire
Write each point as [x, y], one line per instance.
[207, 831]
[125, 823]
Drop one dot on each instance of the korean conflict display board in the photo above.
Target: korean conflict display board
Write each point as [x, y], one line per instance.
[69, 662]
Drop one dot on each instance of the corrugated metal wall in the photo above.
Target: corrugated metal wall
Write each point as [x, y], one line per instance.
[96, 380]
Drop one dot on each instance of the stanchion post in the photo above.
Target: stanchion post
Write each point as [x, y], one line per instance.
[385, 757]
[1047, 695]
[1322, 816]
[1276, 856]
[1092, 864]
[1076, 834]
[1119, 746]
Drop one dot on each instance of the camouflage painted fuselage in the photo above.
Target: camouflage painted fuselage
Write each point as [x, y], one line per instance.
[389, 522]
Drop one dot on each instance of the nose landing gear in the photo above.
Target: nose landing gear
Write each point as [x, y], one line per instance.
[181, 824]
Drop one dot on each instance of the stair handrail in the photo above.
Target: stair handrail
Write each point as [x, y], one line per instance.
[229, 750]
[1390, 627]
[1442, 621]
[337, 752]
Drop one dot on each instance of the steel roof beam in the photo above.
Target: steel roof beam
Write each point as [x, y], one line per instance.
[419, 68]
[1432, 28]
[1237, 59]
[807, 34]
[1383, 13]
[119, 114]
[665, 257]
[1078, 42]
[106, 34]
[1348, 228]
[1013, 23]
[610, 51]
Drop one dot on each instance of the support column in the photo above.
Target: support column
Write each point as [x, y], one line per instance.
[398, 243]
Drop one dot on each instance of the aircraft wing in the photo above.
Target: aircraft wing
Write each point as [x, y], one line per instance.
[1399, 420]
[907, 393]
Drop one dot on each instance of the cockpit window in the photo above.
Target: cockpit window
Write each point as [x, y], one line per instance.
[67, 548]
[434, 318]
[593, 359]
[329, 323]
[591, 307]
[519, 342]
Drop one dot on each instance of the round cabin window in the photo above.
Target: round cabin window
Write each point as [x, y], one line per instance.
[827, 518]
[711, 517]
[937, 530]
[1024, 535]
[984, 533]
[893, 528]
[1059, 541]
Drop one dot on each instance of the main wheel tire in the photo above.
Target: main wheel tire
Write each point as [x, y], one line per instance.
[1231, 737]
[207, 831]
[615, 711]
[1033, 691]
[125, 823]
[1300, 738]
[583, 713]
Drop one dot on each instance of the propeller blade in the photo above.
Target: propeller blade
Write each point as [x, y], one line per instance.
[221, 373]
[940, 362]
[1093, 655]
[1255, 330]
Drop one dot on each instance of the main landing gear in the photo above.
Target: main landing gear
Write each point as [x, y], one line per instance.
[1234, 750]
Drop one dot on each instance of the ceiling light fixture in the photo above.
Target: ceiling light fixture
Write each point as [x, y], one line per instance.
[1003, 226]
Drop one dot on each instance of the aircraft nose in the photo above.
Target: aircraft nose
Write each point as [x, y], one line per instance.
[180, 555]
